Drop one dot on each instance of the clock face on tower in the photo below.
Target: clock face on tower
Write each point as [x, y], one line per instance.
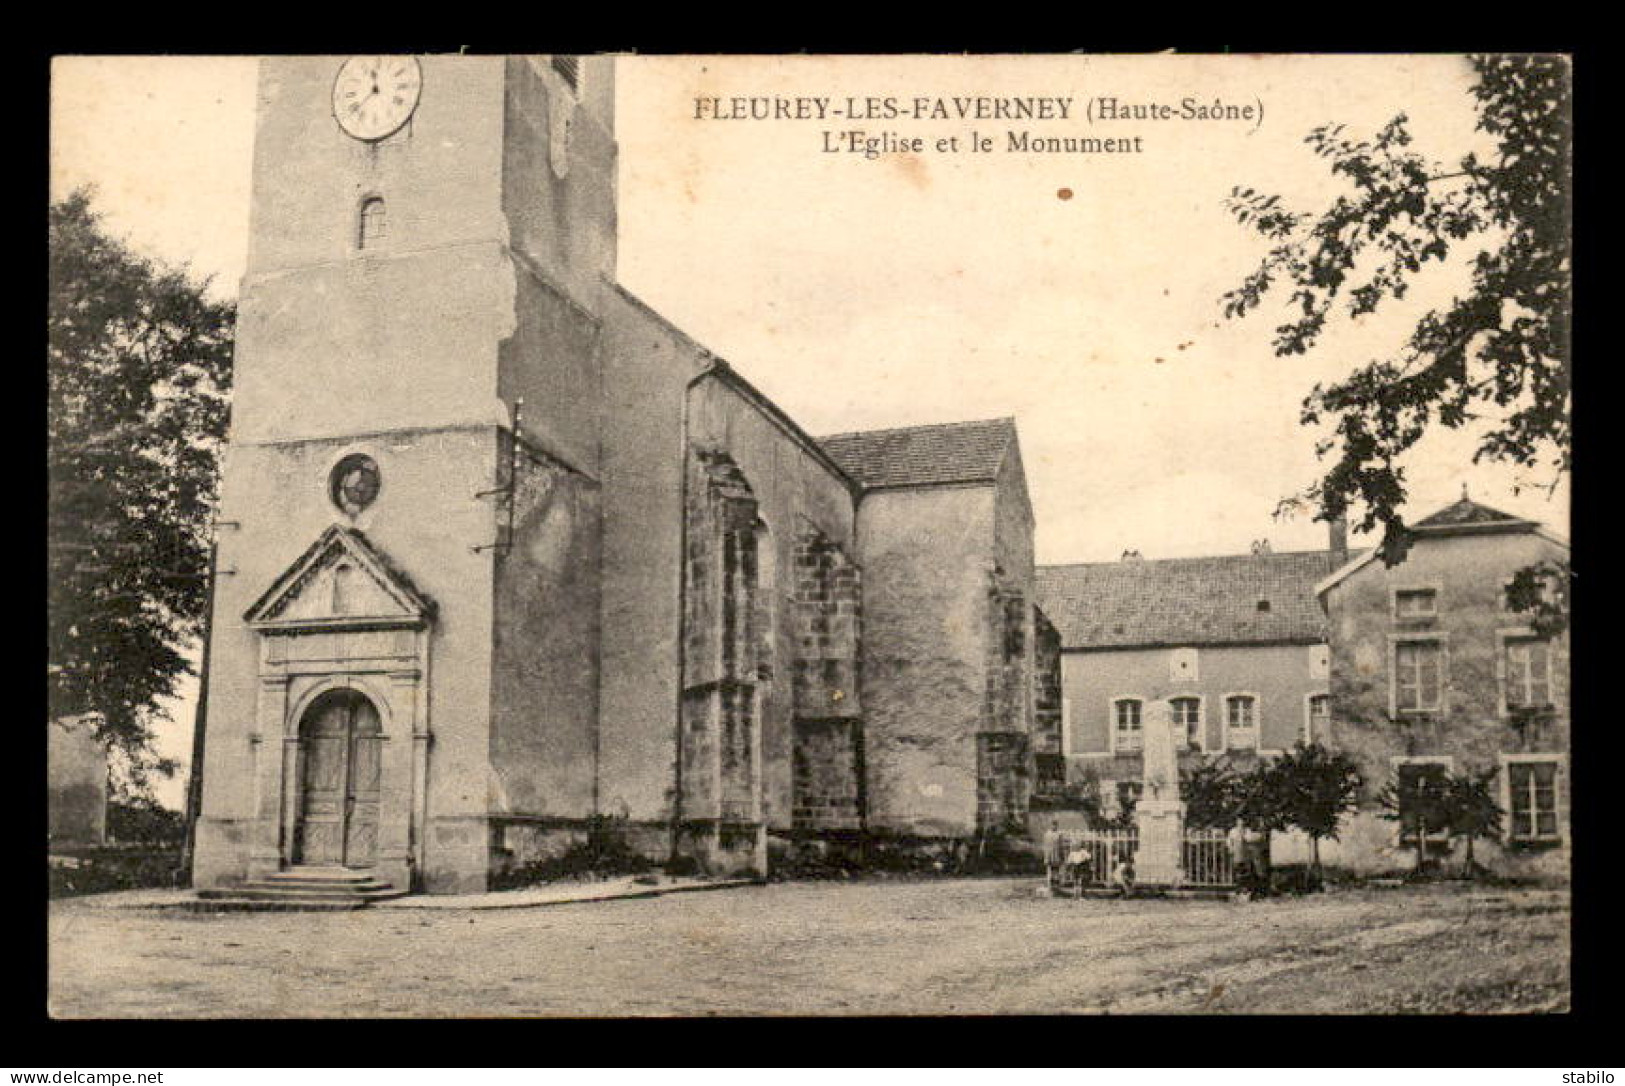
[374, 96]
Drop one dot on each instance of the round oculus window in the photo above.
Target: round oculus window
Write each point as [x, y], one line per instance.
[354, 483]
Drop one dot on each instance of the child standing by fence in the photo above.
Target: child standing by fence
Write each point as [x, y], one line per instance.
[1123, 874]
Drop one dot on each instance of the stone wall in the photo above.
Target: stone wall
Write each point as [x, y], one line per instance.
[1005, 747]
[544, 712]
[826, 613]
[718, 778]
[1006, 691]
[1001, 782]
[827, 617]
[1003, 777]
[76, 783]
[1049, 761]
[646, 364]
[829, 775]
[799, 495]
[926, 555]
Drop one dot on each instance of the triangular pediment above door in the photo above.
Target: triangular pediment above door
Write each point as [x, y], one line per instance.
[341, 580]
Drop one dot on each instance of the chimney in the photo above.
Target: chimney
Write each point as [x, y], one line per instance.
[1337, 529]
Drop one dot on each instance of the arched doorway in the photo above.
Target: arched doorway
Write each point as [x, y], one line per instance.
[339, 738]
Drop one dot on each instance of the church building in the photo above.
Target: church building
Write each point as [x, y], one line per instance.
[502, 551]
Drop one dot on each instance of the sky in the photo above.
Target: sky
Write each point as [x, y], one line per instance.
[1078, 293]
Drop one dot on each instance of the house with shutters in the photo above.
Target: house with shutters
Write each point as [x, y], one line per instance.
[1413, 670]
[1432, 673]
[1236, 643]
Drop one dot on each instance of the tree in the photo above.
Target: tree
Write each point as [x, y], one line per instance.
[1420, 802]
[1316, 787]
[1541, 591]
[1432, 800]
[1211, 792]
[1471, 810]
[139, 368]
[143, 820]
[1497, 357]
[1262, 801]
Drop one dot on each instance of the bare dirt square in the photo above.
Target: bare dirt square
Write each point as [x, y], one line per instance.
[970, 946]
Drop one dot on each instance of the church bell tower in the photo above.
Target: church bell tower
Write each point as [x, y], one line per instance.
[405, 650]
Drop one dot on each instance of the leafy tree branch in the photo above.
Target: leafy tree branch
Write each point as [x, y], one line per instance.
[1496, 357]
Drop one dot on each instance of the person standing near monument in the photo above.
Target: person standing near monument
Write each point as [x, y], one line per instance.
[1123, 875]
[1054, 853]
[1079, 868]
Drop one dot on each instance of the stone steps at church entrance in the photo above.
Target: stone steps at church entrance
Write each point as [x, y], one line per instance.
[301, 888]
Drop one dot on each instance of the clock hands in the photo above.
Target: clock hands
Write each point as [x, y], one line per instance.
[376, 95]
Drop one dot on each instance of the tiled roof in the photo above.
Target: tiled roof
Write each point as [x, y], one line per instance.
[1466, 512]
[1464, 517]
[1186, 601]
[954, 452]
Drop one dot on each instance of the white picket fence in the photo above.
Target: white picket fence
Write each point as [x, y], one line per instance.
[1208, 857]
[1105, 849]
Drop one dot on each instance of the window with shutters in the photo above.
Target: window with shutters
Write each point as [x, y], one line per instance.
[1187, 714]
[1418, 676]
[1317, 718]
[1241, 721]
[1126, 729]
[1528, 671]
[1532, 799]
[1416, 604]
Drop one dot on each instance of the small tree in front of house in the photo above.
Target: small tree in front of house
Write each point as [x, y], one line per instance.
[1420, 802]
[1435, 801]
[1211, 792]
[1259, 807]
[1261, 804]
[1128, 801]
[1471, 810]
[1315, 787]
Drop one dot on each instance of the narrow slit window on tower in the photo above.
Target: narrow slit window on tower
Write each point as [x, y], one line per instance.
[373, 225]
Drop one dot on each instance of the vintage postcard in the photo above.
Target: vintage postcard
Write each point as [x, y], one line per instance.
[1022, 534]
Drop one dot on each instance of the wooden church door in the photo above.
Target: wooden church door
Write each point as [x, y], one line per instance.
[338, 811]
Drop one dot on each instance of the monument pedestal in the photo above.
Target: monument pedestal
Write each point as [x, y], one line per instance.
[1159, 860]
